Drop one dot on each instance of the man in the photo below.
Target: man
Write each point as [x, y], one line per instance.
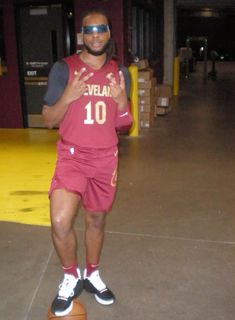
[86, 97]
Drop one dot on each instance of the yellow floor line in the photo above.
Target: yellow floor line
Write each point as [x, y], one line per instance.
[27, 160]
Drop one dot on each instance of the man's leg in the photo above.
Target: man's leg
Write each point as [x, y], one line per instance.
[98, 200]
[94, 238]
[63, 210]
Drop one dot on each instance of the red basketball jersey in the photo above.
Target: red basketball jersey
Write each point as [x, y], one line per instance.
[90, 121]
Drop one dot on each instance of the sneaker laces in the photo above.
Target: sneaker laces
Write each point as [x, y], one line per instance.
[66, 288]
[97, 282]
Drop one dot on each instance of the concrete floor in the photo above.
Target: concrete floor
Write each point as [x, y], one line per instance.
[169, 252]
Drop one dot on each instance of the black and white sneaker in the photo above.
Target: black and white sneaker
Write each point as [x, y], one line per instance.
[70, 288]
[95, 285]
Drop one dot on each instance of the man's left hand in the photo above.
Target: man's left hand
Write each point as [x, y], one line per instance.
[118, 91]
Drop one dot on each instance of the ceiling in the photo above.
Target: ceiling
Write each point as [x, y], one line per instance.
[199, 4]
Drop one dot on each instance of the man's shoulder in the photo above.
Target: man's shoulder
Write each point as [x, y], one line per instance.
[59, 68]
[71, 59]
[113, 63]
[112, 66]
[121, 67]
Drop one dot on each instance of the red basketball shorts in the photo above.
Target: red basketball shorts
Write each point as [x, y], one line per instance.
[91, 173]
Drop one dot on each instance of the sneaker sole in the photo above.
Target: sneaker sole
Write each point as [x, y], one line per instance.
[65, 312]
[104, 302]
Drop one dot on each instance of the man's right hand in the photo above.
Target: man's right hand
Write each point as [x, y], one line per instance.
[53, 115]
[77, 87]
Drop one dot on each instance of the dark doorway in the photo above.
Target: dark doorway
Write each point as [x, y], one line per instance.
[44, 35]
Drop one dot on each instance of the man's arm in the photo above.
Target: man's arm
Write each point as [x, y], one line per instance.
[54, 114]
[119, 94]
[57, 81]
[118, 91]
[127, 79]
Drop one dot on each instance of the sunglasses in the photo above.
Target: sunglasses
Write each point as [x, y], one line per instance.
[99, 28]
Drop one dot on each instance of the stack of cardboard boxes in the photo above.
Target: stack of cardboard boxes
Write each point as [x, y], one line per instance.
[146, 90]
[164, 95]
[146, 93]
[153, 99]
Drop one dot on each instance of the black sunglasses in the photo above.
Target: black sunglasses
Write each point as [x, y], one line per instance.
[99, 28]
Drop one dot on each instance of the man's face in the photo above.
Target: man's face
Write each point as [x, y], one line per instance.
[96, 41]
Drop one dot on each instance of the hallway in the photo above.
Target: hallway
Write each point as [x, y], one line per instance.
[169, 252]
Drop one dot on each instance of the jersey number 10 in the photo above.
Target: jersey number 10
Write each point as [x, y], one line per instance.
[100, 113]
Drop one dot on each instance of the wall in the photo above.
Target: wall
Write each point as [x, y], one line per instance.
[10, 103]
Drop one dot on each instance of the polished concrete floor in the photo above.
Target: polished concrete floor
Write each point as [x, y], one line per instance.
[169, 252]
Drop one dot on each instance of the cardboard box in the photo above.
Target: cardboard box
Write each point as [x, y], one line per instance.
[145, 124]
[146, 119]
[155, 111]
[145, 100]
[145, 107]
[147, 83]
[162, 101]
[164, 90]
[146, 116]
[162, 110]
[142, 64]
[146, 92]
[145, 74]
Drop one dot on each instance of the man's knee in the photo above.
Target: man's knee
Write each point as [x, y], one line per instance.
[61, 224]
[95, 220]
[63, 209]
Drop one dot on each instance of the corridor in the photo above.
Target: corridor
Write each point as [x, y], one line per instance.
[169, 252]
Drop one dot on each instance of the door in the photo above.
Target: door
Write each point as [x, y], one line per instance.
[43, 38]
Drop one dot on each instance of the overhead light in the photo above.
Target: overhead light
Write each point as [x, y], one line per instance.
[206, 13]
